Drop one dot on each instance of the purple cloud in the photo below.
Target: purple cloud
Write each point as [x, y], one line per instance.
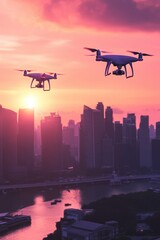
[126, 15]
[118, 111]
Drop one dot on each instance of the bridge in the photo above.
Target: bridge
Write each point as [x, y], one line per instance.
[68, 182]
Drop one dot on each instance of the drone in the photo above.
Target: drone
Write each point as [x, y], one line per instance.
[118, 61]
[41, 78]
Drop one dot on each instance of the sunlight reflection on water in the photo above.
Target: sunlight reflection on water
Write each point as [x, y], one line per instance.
[44, 215]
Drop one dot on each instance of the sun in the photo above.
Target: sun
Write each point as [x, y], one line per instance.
[30, 101]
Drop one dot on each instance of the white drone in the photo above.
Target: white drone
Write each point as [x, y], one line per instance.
[40, 78]
[119, 61]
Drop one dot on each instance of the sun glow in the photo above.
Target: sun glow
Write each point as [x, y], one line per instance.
[30, 101]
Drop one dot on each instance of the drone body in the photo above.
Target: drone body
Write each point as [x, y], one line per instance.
[41, 78]
[118, 61]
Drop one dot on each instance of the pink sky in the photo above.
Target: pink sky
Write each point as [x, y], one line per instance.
[49, 35]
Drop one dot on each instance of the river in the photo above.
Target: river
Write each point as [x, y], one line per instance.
[37, 204]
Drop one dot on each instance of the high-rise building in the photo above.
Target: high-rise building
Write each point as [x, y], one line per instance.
[26, 140]
[107, 154]
[117, 132]
[129, 128]
[51, 140]
[157, 130]
[8, 143]
[109, 125]
[1, 144]
[70, 138]
[151, 131]
[130, 142]
[119, 166]
[91, 133]
[155, 148]
[108, 138]
[144, 143]
[100, 107]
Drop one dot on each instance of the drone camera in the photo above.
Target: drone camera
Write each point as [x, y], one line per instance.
[118, 72]
[39, 85]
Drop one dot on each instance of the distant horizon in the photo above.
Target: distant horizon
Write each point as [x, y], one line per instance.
[118, 114]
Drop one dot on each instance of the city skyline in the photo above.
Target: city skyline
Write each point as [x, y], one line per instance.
[95, 143]
[51, 36]
[65, 122]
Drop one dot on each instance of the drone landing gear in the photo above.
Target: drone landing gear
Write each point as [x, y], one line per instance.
[106, 73]
[132, 71]
[49, 86]
[41, 84]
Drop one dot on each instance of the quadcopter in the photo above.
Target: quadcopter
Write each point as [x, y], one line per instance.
[40, 78]
[118, 61]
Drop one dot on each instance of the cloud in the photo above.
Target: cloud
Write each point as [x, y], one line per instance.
[8, 43]
[113, 15]
[121, 15]
[118, 111]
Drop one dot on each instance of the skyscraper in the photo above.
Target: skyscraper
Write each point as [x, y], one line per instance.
[157, 130]
[70, 138]
[130, 143]
[8, 142]
[155, 148]
[100, 107]
[109, 126]
[51, 139]
[91, 133]
[118, 148]
[26, 140]
[118, 132]
[129, 128]
[1, 144]
[144, 143]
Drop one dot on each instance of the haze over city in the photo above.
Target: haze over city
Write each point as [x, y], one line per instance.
[51, 36]
[67, 154]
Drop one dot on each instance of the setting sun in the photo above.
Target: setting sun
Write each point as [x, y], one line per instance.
[30, 101]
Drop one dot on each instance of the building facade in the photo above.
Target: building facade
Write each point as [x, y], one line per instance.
[8, 143]
[144, 143]
[26, 140]
[51, 140]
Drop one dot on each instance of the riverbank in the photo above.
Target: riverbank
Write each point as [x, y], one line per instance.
[129, 210]
[37, 204]
[136, 215]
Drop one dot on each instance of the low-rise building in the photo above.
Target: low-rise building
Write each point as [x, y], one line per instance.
[86, 230]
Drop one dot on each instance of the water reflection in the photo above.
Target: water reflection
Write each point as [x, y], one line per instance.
[44, 215]
[73, 197]
[38, 200]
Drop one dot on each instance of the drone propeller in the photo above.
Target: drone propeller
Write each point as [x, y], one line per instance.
[91, 49]
[94, 50]
[89, 55]
[22, 70]
[51, 73]
[136, 53]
